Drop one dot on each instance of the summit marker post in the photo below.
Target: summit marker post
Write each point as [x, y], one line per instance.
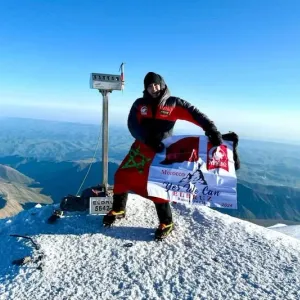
[105, 84]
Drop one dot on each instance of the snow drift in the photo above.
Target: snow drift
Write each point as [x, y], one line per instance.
[209, 256]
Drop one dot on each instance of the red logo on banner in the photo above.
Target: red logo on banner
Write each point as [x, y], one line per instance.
[217, 157]
[186, 149]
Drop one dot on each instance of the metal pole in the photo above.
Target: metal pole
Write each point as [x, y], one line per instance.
[105, 138]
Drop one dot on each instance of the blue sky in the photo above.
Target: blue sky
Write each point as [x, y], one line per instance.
[237, 61]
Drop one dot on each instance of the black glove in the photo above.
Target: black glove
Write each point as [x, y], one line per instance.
[159, 148]
[155, 145]
[214, 136]
[231, 136]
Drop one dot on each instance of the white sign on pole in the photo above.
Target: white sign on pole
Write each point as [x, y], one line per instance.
[100, 205]
[106, 81]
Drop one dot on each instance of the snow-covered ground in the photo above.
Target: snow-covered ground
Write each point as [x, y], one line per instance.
[209, 256]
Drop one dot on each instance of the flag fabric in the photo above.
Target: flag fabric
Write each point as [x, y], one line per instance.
[192, 170]
[189, 170]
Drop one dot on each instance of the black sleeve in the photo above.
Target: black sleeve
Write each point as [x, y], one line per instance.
[188, 112]
[133, 124]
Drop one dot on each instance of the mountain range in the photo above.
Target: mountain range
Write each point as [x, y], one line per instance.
[16, 192]
[51, 160]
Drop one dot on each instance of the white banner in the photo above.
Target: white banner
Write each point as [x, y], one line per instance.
[191, 170]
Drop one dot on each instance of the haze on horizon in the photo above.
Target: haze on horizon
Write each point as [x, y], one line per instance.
[237, 62]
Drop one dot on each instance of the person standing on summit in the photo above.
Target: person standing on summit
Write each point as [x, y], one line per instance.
[152, 119]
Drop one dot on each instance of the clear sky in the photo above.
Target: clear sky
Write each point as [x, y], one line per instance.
[237, 61]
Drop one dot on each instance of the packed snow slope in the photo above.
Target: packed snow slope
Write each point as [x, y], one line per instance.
[209, 256]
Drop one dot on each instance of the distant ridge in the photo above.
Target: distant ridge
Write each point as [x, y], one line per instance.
[15, 192]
